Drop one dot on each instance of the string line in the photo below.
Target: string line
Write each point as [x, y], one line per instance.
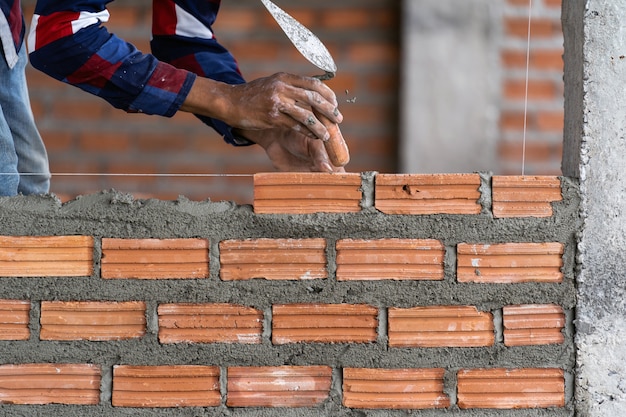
[530, 15]
[106, 174]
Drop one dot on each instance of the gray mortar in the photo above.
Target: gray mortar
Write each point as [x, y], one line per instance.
[113, 214]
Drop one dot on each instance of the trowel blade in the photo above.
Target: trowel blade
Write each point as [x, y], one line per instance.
[302, 38]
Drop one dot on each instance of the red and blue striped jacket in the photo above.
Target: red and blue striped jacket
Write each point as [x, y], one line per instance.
[68, 41]
[11, 37]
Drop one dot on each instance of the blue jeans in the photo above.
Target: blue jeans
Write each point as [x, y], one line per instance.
[21, 148]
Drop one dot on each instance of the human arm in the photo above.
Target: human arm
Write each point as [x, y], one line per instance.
[187, 71]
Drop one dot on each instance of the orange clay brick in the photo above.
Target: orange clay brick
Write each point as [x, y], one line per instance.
[14, 319]
[95, 321]
[395, 259]
[155, 258]
[302, 193]
[454, 326]
[394, 388]
[533, 324]
[282, 386]
[273, 259]
[511, 388]
[428, 194]
[524, 196]
[508, 263]
[49, 383]
[324, 323]
[209, 323]
[166, 386]
[43, 256]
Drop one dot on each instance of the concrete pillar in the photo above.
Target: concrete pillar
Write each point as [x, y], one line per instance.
[595, 152]
[450, 85]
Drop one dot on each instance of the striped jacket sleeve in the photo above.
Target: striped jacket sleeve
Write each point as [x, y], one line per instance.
[68, 41]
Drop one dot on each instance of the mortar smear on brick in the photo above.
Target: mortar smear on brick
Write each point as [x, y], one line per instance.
[280, 386]
[508, 263]
[440, 326]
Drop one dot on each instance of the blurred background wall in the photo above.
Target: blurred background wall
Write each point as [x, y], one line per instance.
[424, 86]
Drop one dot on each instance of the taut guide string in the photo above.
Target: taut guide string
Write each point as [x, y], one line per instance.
[112, 174]
[76, 174]
[530, 18]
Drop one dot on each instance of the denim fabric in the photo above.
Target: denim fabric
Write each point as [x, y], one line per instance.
[21, 147]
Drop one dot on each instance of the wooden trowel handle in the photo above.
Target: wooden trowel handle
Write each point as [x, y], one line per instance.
[335, 146]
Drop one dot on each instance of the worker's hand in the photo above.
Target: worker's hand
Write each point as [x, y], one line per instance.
[292, 151]
[279, 101]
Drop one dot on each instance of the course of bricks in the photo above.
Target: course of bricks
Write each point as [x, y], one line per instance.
[457, 298]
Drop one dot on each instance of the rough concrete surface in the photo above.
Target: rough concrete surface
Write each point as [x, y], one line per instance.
[113, 214]
[601, 310]
[450, 87]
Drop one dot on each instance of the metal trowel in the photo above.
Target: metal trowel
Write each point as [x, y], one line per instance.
[314, 50]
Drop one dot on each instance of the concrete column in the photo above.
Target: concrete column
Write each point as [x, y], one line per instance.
[595, 152]
[450, 85]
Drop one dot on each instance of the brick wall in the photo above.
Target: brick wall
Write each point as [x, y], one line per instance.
[332, 295]
[544, 140]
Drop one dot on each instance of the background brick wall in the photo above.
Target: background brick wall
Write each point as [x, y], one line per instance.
[84, 134]
[544, 140]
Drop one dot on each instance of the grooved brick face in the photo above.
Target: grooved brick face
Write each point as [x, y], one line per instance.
[282, 386]
[95, 321]
[428, 194]
[396, 259]
[209, 323]
[509, 263]
[166, 386]
[49, 383]
[324, 323]
[511, 388]
[394, 388]
[535, 324]
[454, 326]
[301, 193]
[155, 258]
[524, 196]
[14, 319]
[46, 256]
[273, 259]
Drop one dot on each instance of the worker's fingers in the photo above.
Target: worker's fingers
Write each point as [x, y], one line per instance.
[306, 121]
[317, 95]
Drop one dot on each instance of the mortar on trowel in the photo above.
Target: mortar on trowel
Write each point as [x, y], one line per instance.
[314, 50]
